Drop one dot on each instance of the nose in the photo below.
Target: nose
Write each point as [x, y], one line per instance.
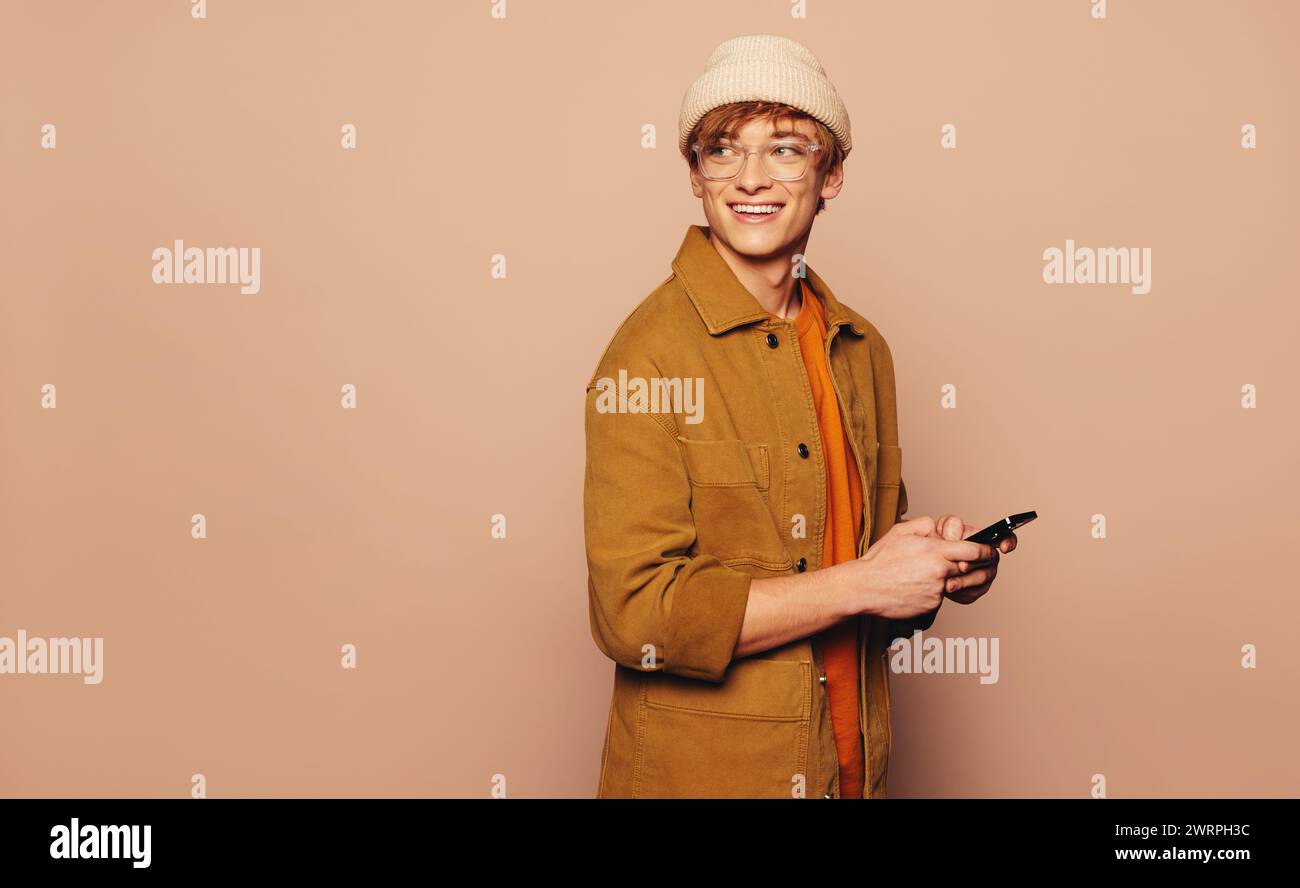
[753, 172]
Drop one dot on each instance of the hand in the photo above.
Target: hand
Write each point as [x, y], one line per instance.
[907, 569]
[974, 577]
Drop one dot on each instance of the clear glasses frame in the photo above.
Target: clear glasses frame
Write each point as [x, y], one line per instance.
[811, 147]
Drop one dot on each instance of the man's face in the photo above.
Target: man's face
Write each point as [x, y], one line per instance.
[755, 234]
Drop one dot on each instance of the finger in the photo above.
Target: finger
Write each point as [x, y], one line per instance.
[967, 566]
[964, 568]
[968, 581]
[964, 550]
[968, 530]
[1011, 542]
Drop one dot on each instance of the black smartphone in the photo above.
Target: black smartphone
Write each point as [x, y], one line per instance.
[1000, 529]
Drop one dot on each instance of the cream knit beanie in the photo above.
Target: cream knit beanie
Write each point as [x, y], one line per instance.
[764, 67]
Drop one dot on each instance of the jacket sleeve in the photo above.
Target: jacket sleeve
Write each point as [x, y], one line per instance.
[904, 628]
[643, 585]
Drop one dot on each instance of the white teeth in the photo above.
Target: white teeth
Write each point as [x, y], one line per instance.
[759, 209]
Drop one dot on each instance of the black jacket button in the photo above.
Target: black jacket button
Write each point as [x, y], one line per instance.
[801, 565]
[772, 341]
[803, 450]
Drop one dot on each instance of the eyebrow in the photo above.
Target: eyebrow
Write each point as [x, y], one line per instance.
[779, 134]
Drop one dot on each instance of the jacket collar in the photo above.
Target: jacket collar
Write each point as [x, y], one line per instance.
[721, 299]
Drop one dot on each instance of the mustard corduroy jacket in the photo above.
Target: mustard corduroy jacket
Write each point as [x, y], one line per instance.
[704, 462]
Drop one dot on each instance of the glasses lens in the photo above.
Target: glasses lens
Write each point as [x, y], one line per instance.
[787, 160]
[719, 160]
[782, 160]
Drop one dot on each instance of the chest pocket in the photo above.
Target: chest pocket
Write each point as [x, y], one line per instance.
[729, 486]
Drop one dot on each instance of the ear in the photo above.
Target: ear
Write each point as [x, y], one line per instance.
[697, 183]
[833, 181]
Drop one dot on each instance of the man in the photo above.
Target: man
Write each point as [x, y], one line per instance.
[747, 565]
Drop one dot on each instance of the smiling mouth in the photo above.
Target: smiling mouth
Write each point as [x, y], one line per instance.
[755, 213]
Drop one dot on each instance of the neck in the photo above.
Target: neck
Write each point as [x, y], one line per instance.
[768, 279]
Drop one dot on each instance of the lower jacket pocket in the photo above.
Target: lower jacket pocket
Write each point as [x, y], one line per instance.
[745, 737]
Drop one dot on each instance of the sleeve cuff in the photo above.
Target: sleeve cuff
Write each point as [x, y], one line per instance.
[708, 612]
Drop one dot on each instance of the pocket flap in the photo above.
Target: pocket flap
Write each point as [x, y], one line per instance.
[725, 463]
[753, 686]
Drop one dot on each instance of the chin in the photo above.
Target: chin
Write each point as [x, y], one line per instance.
[755, 242]
[758, 245]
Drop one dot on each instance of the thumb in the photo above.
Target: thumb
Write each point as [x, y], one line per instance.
[949, 527]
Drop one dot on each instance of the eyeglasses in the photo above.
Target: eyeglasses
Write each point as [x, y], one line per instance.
[783, 159]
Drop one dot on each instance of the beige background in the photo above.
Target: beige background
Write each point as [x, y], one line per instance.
[521, 137]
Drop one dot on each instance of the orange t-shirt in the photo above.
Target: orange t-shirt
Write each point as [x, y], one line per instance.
[843, 525]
